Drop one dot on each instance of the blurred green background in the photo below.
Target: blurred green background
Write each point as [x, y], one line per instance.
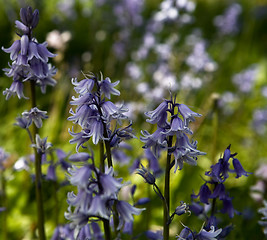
[212, 54]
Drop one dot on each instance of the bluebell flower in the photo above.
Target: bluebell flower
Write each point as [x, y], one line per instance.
[142, 201]
[187, 114]
[16, 88]
[196, 208]
[154, 235]
[79, 157]
[156, 114]
[239, 169]
[181, 209]
[128, 228]
[208, 235]
[85, 233]
[63, 232]
[98, 207]
[62, 156]
[78, 218]
[219, 191]
[126, 211]
[79, 176]
[109, 184]
[51, 173]
[107, 88]
[23, 122]
[80, 138]
[148, 177]
[97, 231]
[204, 194]
[228, 207]
[185, 234]
[85, 85]
[172, 120]
[94, 114]
[29, 58]
[41, 145]
[36, 116]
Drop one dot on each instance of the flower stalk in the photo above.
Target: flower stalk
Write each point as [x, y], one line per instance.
[166, 202]
[38, 175]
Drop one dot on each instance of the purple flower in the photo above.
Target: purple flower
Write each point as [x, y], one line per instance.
[126, 211]
[96, 130]
[15, 88]
[228, 22]
[228, 207]
[85, 233]
[187, 114]
[157, 114]
[51, 173]
[148, 177]
[79, 176]
[181, 209]
[84, 86]
[29, 58]
[208, 235]
[79, 157]
[36, 116]
[204, 194]
[219, 191]
[41, 145]
[239, 169]
[97, 231]
[107, 87]
[109, 184]
[98, 207]
[23, 122]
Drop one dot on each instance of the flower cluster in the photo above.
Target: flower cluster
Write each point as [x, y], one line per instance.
[215, 189]
[263, 221]
[172, 120]
[227, 23]
[97, 197]
[29, 58]
[94, 114]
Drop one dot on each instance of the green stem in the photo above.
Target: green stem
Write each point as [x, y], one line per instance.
[107, 146]
[107, 229]
[3, 204]
[38, 176]
[102, 169]
[166, 205]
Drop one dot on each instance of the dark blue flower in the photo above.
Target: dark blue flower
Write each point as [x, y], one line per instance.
[239, 169]
[148, 177]
[228, 207]
[97, 231]
[204, 194]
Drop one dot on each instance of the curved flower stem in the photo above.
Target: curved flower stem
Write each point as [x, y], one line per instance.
[166, 206]
[38, 176]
